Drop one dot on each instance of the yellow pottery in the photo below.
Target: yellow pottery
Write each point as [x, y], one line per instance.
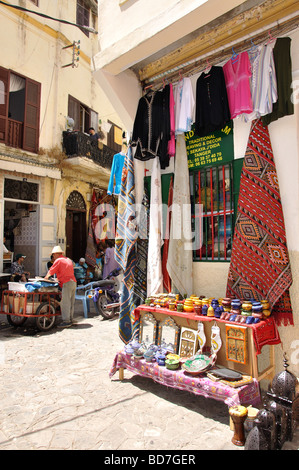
[210, 312]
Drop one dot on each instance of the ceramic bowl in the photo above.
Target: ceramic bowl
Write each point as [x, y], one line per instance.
[172, 364]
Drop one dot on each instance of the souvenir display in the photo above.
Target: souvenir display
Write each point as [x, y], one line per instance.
[199, 364]
[188, 342]
[201, 336]
[215, 339]
[228, 309]
[236, 344]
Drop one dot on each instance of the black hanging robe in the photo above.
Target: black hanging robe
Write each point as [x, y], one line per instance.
[151, 131]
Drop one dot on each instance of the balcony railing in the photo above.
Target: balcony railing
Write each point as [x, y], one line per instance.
[78, 144]
[15, 134]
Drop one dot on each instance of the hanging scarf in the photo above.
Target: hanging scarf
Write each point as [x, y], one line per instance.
[140, 284]
[125, 253]
[260, 267]
[166, 278]
[179, 263]
[154, 267]
[91, 247]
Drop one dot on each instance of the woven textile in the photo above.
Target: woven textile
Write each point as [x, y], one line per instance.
[140, 275]
[199, 385]
[166, 277]
[125, 253]
[260, 267]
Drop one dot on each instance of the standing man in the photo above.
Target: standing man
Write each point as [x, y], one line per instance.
[64, 270]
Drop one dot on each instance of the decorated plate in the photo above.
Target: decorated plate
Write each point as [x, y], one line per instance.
[198, 364]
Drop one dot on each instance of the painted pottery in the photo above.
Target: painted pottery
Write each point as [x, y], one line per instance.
[238, 415]
[210, 312]
[204, 309]
[172, 364]
[188, 305]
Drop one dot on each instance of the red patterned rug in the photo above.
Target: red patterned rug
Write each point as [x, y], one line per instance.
[260, 267]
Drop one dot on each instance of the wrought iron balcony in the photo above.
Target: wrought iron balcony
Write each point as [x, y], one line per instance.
[78, 144]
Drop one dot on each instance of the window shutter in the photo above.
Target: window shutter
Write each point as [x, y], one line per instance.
[31, 117]
[74, 112]
[4, 93]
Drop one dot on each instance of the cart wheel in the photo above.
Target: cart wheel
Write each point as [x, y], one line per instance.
[102, 301]
[46, 322]
[16, 320]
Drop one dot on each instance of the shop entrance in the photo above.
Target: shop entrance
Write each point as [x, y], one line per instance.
[21, 222]
[75, 226]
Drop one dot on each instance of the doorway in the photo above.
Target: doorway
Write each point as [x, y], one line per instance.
[76, 231]
[21, 221]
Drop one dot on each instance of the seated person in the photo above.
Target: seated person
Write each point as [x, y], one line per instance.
[18, 270]
[81, 273]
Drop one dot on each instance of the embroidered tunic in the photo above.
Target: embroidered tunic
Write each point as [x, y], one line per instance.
[184, 106]
[212, 109]
[151, 130]
[237, 74]
[263, 81]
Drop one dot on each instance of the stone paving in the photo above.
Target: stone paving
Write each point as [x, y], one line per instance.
[56, 394]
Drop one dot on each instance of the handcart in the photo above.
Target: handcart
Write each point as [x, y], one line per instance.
[42, 305]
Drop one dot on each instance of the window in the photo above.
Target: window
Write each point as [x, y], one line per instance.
[21, 189]
[83, 13]
[114, 138]
[35, 2]
[83, 116]
[19, 111]
[214, 198]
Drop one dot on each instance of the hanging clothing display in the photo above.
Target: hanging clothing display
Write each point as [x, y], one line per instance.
[212, 109]
[171, 143]
[180, 255]
[237, 73]
[263, 81]
[125, 253]
[151, 130]
[283, 68]
[184, 106]
[260, 266]
[140, 275]
[154, 266]
[166, 277]
[116, 172]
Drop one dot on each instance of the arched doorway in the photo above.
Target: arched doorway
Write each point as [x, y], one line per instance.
[75, 228]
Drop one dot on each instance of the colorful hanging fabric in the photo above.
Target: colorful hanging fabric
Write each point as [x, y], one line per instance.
[166, 277]
[260, 266]
[180, 262]
[154, 267]
[140, 284]
[91, 246]
[284, 106]
[125, 253]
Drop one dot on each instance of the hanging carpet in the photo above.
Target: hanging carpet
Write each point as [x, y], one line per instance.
[260, 267]
[125, 252]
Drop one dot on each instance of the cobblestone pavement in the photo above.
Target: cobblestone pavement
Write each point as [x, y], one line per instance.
[56, 394]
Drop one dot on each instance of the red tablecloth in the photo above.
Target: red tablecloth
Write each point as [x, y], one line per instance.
[200, 385]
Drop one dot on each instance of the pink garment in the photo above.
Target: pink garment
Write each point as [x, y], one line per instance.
[237, 75]
[171, 142]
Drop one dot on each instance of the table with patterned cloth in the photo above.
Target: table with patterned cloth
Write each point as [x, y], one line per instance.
[248, 394]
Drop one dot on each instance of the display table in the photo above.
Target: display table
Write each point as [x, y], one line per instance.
[257, 336]
[200, 385]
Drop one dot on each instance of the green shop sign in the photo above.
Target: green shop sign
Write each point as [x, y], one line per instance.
[210, 150]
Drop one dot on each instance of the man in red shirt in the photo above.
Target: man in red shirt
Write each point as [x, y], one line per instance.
[64, 270]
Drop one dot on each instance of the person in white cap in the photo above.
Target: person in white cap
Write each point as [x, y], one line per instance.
[81, 274]
[64, 270]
